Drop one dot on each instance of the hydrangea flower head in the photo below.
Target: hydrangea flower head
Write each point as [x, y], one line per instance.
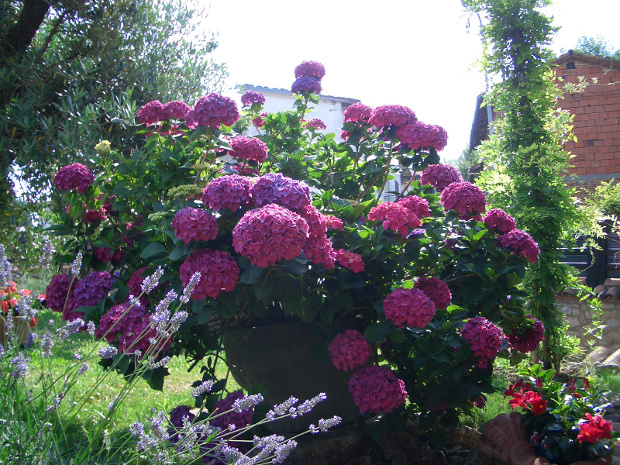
[269, 234]
[231, 191]
[176, 110]
[436, 290]
[350, 260]
[74, 177]
[218, 270]
[420, 135]
[317, 221]
[485, 339]
[152, 113]
[281, 190]
[395, 217]
[499, 221]
[194, 224]
[249, 97]
[527, 336]
[238, 419]
[417, 205]
[349, 350]
[306, 84]
[315, 124]
[320, 251]
[92, 288]
[376, 389]
[409, 307]
[58, 292]
[440, 176]
[248, 148]
[464, 198]
[388, 115]
[213, 110]
[357, 112]
[312, 69]
[521, 243]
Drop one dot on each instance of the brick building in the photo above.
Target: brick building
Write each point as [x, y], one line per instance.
[596, 120]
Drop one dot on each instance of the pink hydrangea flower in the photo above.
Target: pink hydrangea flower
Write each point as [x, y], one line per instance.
[409, 307]
[320, 251]
[281, 190]
[394, 217]
[349, 350]
[334, 223]
[520, 243]
[315, 124]
[419, 135]
[248, 148]
[176, 110]
[251, 96]
[259, 122]
[499, 221]
[527, 336]
[231, 191]
[219, 273]
[440, 176]
[213, 110]
[376, 389]
[152, 113]
[269, 234]
[388, 115]
[485, 339]
[239, 419]
[135, 285]
[92, 288]
[357, 112]
[350, 260]
[58, 291]
[194, 224]
[103, 254]
[464, 198]
[436, 290]
[317, 221]
[90, 216]
[306, 84]
[312, 69]
[74, 177]
[417, 205]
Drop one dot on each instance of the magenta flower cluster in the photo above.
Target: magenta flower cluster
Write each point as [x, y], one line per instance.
[74, 177]
[349, 350]
[417, 205]
[249, 97]
[520, 243]
[231, 192]
[436, 290]
[269, 234]
[56, 294]
[409, 307]
[248, 148]
[376, 389]
[92, 288]
[350, 260]
[499, 221]
[315, 124]
[418, 135]
[485, 339]
[308, 77]
[154, 112]
[392, 115]
[465, 198]
[357, 112]
[527, 336]
[320, 250]
[281, 190]
[238, 419]
[194, 224]
[395, 217]
[440, 176]
[213, 110]
[218, 270]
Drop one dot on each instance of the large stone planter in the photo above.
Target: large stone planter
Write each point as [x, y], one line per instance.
[505, 441]
[277, 361]
[21, 328]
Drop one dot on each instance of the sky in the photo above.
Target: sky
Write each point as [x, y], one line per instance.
[416, 53]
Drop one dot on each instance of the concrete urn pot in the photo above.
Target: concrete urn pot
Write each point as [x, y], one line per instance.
[505, 441]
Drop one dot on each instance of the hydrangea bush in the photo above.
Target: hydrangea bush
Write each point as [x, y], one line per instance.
[415, 295]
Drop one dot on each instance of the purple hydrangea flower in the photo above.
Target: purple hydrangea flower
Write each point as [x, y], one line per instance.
[278, 189]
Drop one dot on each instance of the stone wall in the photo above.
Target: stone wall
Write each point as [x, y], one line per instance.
[579, 318]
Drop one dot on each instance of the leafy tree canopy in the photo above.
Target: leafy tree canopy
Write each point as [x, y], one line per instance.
[596, 46]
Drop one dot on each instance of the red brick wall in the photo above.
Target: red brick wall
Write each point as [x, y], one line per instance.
[596, 119]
